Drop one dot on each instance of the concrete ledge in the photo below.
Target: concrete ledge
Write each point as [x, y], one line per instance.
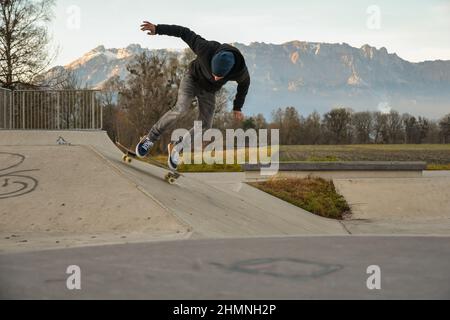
[252, 176]
[345, 166]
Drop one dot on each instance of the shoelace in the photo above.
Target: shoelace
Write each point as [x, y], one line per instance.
[147, 144]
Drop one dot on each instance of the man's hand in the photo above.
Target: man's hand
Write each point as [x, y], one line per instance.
[149, 27]
[238, 116]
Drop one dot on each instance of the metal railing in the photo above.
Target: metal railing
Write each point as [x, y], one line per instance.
[50, 110]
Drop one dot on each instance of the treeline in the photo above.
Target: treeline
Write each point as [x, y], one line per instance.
[344, 126]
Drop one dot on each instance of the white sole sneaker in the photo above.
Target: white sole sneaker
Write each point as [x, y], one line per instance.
[144, 144]
[172, 163]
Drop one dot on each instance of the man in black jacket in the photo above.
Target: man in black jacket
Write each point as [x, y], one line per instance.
[215, 65]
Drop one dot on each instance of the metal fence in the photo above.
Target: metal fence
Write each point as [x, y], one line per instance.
[50, 110]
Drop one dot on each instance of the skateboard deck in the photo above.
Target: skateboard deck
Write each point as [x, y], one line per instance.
[129, 155]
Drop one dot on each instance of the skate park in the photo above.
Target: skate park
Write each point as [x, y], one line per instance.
[95, 204]
[68, 199]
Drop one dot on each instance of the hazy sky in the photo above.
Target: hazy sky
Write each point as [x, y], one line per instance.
[416, 30]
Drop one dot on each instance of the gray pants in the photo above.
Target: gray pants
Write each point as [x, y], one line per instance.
[188, 90]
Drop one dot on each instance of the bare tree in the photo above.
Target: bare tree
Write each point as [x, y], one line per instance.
[311, 131]
[150, 91]
[363, 125]
[24, 40]
[412, 129]
[394, 127]
[380, 127]
[337, 123]
[260, 121]
[444, 125]
[223, 118]
[109, 98]
[59, 78]
[288, 121]
[433, 134]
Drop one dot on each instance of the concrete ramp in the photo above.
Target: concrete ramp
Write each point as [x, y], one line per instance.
[398, 205]
[53, 197]
[215, 212]
[63, 188]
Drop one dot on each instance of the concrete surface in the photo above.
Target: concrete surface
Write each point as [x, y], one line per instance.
[345, 166]
[70, 197]
[432, 174]
[256, 176]
[389, 205]
[213, 212]
[83, 194]
[268, 268]
[398, 206]
[131, 233]
[49, 138]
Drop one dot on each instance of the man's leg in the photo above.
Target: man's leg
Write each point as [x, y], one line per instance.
[186, 94]
[207, 107]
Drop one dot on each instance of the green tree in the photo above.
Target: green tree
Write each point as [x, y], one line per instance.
[249, 123]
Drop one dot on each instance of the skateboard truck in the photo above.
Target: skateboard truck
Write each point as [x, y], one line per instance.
[128, 156]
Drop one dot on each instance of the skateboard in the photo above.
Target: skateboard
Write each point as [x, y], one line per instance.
[128, 156]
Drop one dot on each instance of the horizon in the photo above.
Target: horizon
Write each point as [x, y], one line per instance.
[256, 42]
[81, 25]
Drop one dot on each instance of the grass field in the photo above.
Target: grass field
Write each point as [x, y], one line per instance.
[431, 154]
[437, 156]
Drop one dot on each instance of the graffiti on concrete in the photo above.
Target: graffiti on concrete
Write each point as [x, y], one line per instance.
[282, 268]
[15, 183]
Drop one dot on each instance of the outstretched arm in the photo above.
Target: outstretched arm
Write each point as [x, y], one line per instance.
[242, 90]
[193, 40]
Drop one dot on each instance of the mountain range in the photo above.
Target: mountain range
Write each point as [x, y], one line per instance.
[310, 76]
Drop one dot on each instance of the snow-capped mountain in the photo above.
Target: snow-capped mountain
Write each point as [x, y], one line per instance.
[101, 64]
[311, 76]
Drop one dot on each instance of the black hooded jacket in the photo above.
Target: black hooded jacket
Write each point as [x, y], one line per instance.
[200, 68]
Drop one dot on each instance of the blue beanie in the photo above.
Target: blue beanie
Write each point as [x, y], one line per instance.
[222, 63]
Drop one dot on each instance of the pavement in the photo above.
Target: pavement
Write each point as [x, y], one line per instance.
[260, 268]
[396, 206]
[209, 236]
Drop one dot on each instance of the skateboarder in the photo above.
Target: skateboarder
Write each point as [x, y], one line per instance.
[215, 65]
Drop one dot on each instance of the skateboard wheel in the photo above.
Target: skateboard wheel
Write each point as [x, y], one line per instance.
[170, 178]
[126, 159]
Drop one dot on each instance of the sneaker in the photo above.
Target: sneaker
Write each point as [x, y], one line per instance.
[143, 148]
[174, 156]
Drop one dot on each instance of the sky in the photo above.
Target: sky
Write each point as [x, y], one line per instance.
[417, 30]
